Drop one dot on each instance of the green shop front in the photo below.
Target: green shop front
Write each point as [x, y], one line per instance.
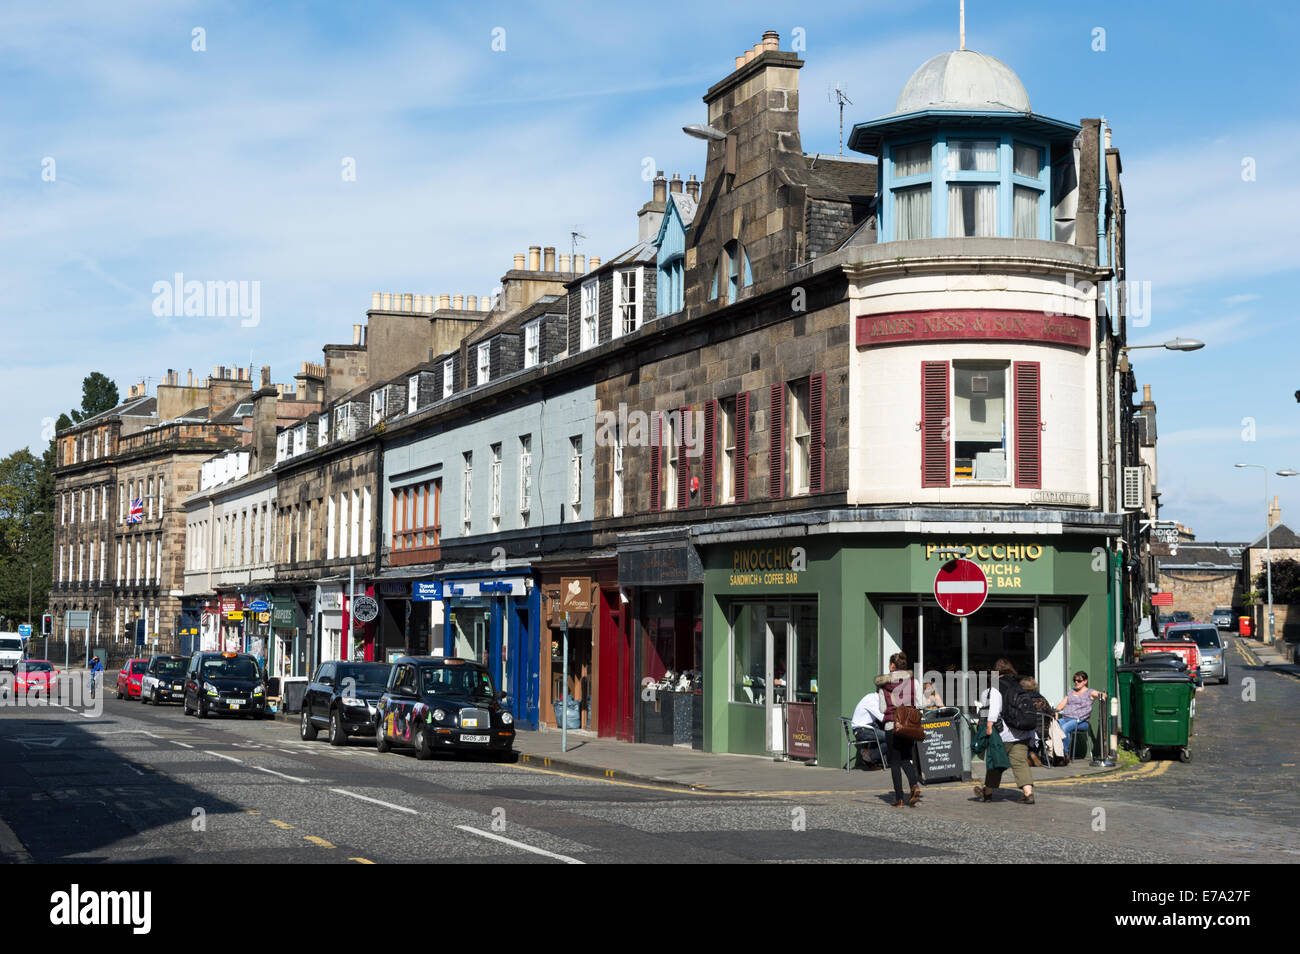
[811, 620]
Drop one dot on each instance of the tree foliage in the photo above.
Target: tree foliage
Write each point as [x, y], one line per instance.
[98, 394]
[1286, 582]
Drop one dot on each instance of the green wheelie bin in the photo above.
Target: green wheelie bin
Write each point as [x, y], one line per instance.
[1161, 708]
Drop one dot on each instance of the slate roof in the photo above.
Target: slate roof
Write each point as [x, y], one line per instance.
[839, 179]
[1202, 556]
[1282, 537]
[497, 325]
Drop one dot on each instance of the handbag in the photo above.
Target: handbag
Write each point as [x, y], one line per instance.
[907, 723]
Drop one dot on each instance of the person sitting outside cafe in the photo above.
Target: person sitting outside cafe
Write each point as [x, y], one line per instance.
[868, 725]
[1076, 710]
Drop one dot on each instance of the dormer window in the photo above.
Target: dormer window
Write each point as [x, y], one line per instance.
[589, 304]
[732, 273]
[532, 343]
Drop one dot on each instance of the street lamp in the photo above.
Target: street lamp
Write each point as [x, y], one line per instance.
[1268, 544]
[1177, 344]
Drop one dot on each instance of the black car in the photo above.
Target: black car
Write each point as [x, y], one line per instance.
[163, 680]
[434, 702]
[225, 682]
[343, 697]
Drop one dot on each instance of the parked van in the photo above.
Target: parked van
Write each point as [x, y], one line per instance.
[11, 651]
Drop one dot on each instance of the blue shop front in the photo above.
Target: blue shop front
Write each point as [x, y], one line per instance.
[494, 620]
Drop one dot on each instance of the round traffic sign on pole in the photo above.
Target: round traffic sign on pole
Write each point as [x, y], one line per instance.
[961, 587]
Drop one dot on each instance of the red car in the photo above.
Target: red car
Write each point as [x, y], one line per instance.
[129, 676]
[35, 677]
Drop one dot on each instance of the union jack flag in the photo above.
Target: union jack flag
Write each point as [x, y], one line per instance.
[137, 511]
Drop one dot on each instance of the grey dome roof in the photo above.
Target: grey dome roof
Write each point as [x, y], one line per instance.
[963, 79]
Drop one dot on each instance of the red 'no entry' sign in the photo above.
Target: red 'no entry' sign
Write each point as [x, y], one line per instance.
[961, 587]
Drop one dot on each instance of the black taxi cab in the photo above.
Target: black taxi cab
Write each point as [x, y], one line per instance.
[436, 703]
[224, 682]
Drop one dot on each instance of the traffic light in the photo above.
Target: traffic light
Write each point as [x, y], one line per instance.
[47, 625]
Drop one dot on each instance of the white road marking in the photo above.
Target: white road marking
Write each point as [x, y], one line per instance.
[135, 770]
[220, 756]
[519, 844]
[281, 774]
[183, 744]
[367, 798]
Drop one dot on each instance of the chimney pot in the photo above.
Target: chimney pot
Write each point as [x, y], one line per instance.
[548, 259]
[408, 302]
[519, 263]
[458, 302]
[444, 301]
[564, 262]
[693, 187]
[579, 264]
[740, 61]
[758, 48]
[771, 40]
[387, 299]
[356, 334]
[375, 299]
[471, 303]
[593, 263]
[534, 258]
[1146, 394]
[660, 187]
[675, 185]
[749, 55]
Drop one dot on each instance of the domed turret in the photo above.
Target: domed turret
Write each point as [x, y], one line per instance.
[963, 79]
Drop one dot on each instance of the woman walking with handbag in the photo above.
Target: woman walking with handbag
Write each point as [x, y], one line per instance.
[902, 725]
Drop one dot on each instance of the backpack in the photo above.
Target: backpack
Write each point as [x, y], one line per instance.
[1020, 707]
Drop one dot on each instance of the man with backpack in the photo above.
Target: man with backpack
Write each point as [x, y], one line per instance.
[1012, 712]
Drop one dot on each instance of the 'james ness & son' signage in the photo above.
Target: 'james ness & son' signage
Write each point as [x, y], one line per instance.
[973, 325]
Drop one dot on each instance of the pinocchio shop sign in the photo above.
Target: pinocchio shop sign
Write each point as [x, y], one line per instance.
[767, 566]
[1008, 566]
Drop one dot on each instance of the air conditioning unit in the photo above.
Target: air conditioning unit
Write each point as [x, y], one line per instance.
[1134, 497]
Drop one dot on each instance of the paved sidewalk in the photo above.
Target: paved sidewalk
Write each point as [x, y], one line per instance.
[1268, 656]
[688, 768]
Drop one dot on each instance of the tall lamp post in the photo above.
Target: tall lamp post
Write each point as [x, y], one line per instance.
[1117, 561]
[1268, 544]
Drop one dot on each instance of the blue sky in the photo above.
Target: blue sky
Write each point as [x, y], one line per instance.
[225, 164]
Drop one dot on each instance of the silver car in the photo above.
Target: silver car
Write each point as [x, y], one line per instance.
[1222, 618]
[1209, 645]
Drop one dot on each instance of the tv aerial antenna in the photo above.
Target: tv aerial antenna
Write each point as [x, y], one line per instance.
[574, 237]
[837, 94]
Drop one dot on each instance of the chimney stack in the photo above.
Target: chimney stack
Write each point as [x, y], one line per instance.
[534, 258]
[660, 187]
[693, 187]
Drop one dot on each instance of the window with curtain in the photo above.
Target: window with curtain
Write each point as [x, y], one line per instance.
[1025, 212]
[972, 210]
[912, 160]
[912, 213]
[971, 155]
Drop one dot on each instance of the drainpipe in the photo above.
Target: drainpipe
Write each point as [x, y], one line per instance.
[1116, 637]
[1103, 261]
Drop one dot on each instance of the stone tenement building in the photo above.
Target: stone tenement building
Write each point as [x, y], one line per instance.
[119, 539]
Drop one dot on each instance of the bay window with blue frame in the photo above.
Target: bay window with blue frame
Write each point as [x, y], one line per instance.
[966, 183]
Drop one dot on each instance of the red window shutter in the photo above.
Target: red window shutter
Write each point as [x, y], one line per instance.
[935, 424]
[654, 461]
[741, 477]
[817, 431]
[683, 462]
[1029, 425]
[776, 435]
[710, 452]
